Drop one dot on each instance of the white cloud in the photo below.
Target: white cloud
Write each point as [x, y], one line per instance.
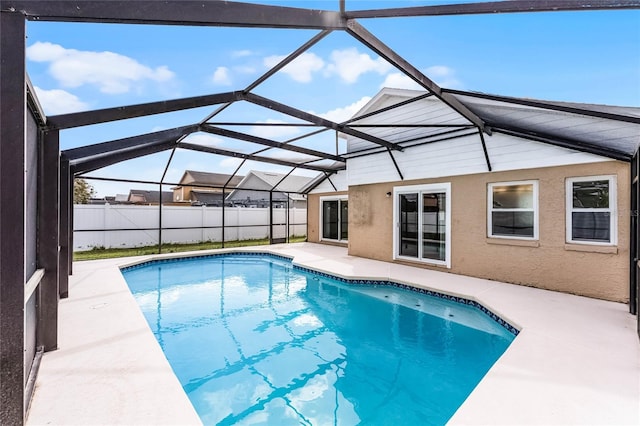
[442, 75]
[244, 69]
[221, 76]
[439, 71]
[196, 165]
[398, 80]
[58, 101]
[173, 175]
[339, 115]
[300, 69]
[203, 139]
[349, 64]
[230, 163]
[241, 53]
[274, 132]
[292, 157]
[111, 72]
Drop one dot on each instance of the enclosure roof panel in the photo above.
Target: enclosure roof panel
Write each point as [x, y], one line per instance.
[611, 128]
[612, 131]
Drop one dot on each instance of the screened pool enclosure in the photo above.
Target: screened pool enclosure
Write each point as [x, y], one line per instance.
[36, 176]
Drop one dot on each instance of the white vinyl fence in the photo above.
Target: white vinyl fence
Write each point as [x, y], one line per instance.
[120, 226]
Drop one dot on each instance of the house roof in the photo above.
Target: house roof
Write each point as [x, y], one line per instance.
[610, 131]
[601, 129]
[150, 196]
[206, 178]
[292, 184]
[206, 197]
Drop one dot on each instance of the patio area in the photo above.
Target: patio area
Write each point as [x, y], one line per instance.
[575, 361]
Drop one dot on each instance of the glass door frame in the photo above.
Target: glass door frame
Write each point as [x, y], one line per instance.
[340, 199]
[434, 188]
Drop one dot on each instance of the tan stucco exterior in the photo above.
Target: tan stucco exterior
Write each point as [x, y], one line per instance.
[313, 217]
[595, 271]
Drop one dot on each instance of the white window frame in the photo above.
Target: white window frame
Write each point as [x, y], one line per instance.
[422, 189]
[332, 198]
[535, 209]
[612, 210]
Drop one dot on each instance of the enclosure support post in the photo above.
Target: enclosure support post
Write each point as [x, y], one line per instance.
[484, 149]
[66, 180]
[12, 217]
[271, 217]
[69, 236]
[48, 224]
[633, 237]
[634, 242]
[164, 174]
[224, 195]
[222, 217]
[160, 218]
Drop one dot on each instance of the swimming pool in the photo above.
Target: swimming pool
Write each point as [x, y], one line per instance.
[254, 339]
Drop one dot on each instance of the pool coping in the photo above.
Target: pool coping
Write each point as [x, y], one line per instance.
[575, 361]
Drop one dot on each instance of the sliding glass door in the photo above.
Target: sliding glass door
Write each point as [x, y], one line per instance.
[334, 213]
[409, 224]
[434, 226]
[330, 221]
[422, 223]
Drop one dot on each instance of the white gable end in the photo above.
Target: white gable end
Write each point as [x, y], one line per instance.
[446, 158]
[462, 156]
[511, 153]
[429, 111]
[339, 180]
[454, 156]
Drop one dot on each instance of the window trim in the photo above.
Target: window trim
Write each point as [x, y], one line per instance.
[612, 209]
[321, 217]
[420, 189]
[536, 215]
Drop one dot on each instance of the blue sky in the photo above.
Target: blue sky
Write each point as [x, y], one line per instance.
[591, 57]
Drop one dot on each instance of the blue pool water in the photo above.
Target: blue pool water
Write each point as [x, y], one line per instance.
[253, 339]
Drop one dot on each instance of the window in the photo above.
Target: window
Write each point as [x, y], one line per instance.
[334, 218]
[591, 210]
[513, 210]
[422, 217]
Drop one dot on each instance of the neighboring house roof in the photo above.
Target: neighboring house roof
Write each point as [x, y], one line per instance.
[610, 131]
[206, 197]
[193, 177]
[293, 184]
[98, 201]
[144, 196]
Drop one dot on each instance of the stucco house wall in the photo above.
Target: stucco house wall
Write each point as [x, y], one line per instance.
[550, 263]
[468, 163]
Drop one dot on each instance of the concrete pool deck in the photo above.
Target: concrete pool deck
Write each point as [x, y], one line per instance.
[575, 361]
